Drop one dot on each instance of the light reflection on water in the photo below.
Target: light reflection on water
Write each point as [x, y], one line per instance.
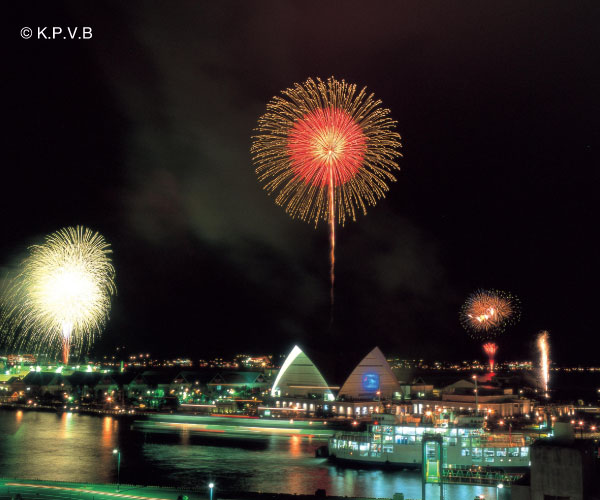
[79, 448]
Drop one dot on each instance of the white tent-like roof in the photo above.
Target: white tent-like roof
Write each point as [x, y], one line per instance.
[372, 375]
[299, 377]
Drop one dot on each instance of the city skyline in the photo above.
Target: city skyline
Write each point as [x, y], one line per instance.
[143, 133]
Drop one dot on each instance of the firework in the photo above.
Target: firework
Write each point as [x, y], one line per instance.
[326, 151]
[490, 349]
[61, 296]
[544, 348]
[486, 313]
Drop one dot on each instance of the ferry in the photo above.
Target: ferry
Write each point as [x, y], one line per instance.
[463, 443]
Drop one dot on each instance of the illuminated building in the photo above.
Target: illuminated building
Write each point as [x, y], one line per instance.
[299, 377]
[371, 379]
[26, 359]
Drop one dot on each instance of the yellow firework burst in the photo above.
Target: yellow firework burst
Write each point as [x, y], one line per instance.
[325, 150]
[61, 296]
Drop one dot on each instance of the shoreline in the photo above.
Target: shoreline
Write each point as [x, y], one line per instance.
[93, 491]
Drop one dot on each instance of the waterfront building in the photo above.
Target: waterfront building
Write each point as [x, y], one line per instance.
[84, 383]
[417, 389]
[150, 389]
[299, 377]
[300, 388]
[45, 384]
[190, 384]
[498, 405]
[239, 381]
[372, 379]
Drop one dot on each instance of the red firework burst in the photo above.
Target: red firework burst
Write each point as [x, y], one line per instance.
[326, 147]
[490, 349]
[327, 151]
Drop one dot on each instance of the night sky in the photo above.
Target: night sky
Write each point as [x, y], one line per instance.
[143, 134]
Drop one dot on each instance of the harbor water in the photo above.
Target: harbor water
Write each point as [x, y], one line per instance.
[74, 447]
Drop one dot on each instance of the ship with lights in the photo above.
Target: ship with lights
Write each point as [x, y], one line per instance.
[457, 445]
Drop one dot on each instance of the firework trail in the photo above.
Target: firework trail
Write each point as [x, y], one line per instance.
[544, 348]
[486, 313]
[326, 151]
[61, 296]
[490, 348]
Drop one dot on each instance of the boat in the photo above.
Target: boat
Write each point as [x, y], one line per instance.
[460, 444]
[237, 426]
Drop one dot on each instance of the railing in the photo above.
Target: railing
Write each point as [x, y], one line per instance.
[465, 475]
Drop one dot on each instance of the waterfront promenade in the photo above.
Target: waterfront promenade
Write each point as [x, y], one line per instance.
[46, 490]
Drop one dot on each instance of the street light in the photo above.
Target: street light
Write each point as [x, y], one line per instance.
[210, 487]
[500, 490]
[118, 453]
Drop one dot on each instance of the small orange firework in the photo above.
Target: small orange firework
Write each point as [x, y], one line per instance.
[487, 312]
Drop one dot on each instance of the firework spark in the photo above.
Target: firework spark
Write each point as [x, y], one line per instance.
[61, 297]
[326, 151]
[487, 312]
[490, 349]
[544, 348]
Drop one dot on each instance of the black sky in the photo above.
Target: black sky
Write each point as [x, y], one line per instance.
[143, 133]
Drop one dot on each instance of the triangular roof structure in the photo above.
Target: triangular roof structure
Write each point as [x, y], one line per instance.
[89, 379]
[243, 377]
[460, 384]
[372, 375]
[193, 377]
[41, 378]
[299, 376]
